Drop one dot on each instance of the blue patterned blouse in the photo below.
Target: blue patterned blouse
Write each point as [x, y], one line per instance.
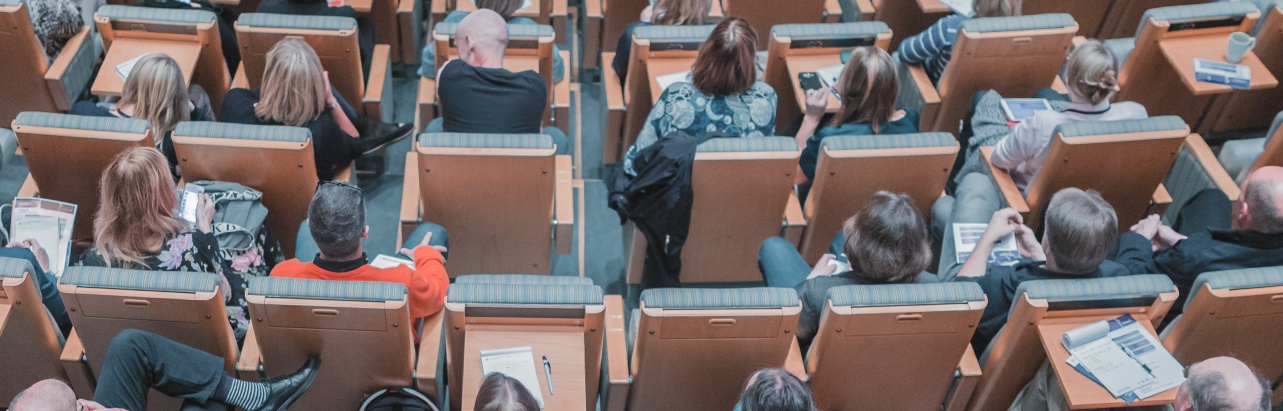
[683, 107]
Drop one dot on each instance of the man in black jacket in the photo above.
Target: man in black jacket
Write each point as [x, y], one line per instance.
[1211, 234]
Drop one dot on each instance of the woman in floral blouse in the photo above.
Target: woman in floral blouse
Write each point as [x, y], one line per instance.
[721, 96]
[137, 228]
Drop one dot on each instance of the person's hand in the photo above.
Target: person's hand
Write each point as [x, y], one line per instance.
[330, 101]
[205, 214]
[1148, 227]
[823, 268]
[1003, 223]
[86, 405]
[42, 256]
[427, 238]
[817, 101]
[1166, 237]
[646, 14]
[1028, 244]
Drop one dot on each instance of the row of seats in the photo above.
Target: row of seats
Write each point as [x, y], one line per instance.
[900, 346]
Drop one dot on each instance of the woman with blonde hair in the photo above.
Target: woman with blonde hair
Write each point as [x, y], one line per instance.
[663, 13]
[867, 89]
[296, 92]
[933, 47]
[155, 91]
[506, 9]
[137, 226]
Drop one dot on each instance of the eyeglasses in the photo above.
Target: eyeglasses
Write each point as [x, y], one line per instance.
[338, 184]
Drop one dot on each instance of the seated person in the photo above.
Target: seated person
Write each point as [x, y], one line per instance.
[55, 23]
[296, 92]
[155, 91]
[477, 95]
[933, 47]
[868, 88]
[139, 361]
[30, 250]
[886, 243]
[1219, 383]
[1211, 234]
[663, 13]
[1080, 230]
[336, 221]
[775, 389]
[500, 392]
[505, 8]
[1092, 75]
[364, 27]
[722, 94]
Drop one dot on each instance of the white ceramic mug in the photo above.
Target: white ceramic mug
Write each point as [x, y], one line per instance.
[1240, 43]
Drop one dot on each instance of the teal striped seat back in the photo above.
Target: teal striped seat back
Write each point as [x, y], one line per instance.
[804, 35]
[515, 294]
[522, 279]
[275, 287]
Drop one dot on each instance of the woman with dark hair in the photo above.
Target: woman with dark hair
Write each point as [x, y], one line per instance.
[722, 94]
[775, 389]
[503, 393]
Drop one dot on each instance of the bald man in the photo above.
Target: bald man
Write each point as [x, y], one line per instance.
[478, 95]
[1212, 233]
[1224, 384]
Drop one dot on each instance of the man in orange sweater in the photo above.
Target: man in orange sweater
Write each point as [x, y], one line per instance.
[336, 224]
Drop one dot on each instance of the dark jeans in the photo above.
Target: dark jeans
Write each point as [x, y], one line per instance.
[305, 248]
[1209, 208]
[137, 361]
[782, 265]
[558, 137]
[964, 137]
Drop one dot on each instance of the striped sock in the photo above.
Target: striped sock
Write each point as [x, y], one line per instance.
[244, 394]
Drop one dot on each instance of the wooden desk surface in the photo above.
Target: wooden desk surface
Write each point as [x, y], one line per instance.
[664, 66]
[361, 6]
[108, 83]
[933, 6]
[805, 63]
[1181, 52]
[565, 352]
[1080, 391]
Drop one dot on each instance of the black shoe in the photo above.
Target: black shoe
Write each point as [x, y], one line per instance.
[383, 134]
[284, 390]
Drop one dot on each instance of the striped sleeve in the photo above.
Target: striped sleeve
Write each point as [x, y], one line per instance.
[930, 42]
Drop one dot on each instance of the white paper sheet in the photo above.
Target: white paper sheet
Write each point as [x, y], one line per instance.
[387, 261]
[123, 69]
[31, 219]
[668, 79]
[962, 7]
[829, 75]
[966, 235]
[518, 363]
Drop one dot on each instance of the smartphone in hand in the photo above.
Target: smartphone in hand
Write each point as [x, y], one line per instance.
[809, 81]
[190, 198]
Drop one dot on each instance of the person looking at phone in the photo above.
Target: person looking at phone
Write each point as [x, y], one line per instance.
[867, 90]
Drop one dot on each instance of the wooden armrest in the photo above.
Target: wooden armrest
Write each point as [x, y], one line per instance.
[715, 12]
[438, 9]
[1079, 40]
[616, 396]
[928, 94]
[428, 365]
[409, 15]
[794, 363]
[29, 188]
[248, 367]
[54, 76]
[379, 82]
[78, 372]
[426, 103]
[240, 80]
[866, 9]
[409, 196]
[564, 206]
[1015, 199]
[794, 219]
[593, 9]
[1159, 201]
[965, 385]
[832, 11]
[1220, 177]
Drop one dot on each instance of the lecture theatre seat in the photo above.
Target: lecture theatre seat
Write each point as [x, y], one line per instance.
[1236, 313]
[362, 331]
[1015, 56]
[905, 18]
[529, 48]
[550, 12]
[1249, 110]
[1089, 14]
[694, 349]
[335, 41]
[817, 44]
[31, 340]
[66, 155]
[522, 279]
[765, 14]
[189, 27]
[852, 169]
[457, 180]
[1145, 74]
[1014, 356]
[183, 306]
[604, 21]
[32, 82]
[1194, 170]
[563, 323]
[743, 191]
[275, 160]
[656, 51]
[1242, 157]
[1123, 15]
[896, 347]
[1124, 160]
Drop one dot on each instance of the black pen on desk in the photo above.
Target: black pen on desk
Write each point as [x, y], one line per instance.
[547, 373]
[1126, 350]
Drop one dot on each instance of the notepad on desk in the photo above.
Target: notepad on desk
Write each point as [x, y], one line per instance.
[123, 69]
[516, 362]
[1236, 76]
[1123, 357]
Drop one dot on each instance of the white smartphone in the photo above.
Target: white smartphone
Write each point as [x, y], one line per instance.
[189, 200]
[1018, 109]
